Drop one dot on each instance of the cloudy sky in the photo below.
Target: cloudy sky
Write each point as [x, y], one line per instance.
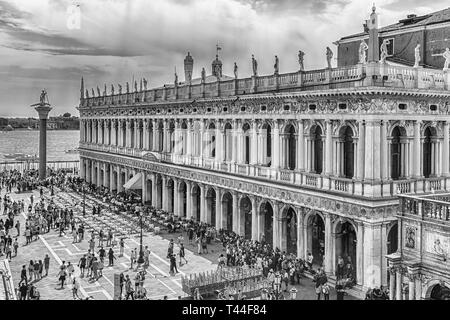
[41, 45]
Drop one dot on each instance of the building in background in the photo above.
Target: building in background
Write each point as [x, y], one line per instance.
[307, 161]
[431, 31]
[421, 266]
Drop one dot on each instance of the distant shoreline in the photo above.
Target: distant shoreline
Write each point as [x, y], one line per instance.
[32, 129]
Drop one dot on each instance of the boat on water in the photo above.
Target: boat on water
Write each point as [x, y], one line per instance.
[13, 155]
[20, 156]
[27, 157]
[8, 128]
[72, 151]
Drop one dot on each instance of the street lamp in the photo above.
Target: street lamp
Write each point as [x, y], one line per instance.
[277, 285]
[141, 252]
[84, 200]
[293, 293]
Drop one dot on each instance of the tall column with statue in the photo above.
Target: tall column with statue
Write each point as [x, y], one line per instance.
[43, 108]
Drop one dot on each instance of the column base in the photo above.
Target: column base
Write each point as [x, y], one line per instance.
[358, 188]
[386, 189]
[326, 183]
[372, 190]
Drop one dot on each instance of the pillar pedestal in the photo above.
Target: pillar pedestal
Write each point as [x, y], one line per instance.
[43, 110]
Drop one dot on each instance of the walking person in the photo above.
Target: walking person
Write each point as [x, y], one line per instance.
[122, 247]
[121, 282]
[82, 265]
[75, 287]
[41, 269]
[62, 276]
[128, 288]
[46, 264]
[111, 257]
[70, 270]
[146, 257]
[36, 270]
[23, 275]
[17, 226]
[92, 245]
[133, 257]
[15, 247]
[31, 270]
[182, 254]
[173, 265]
[326, 291]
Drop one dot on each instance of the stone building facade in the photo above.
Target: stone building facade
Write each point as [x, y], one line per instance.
[311, 161]
[431, 31]
[420, 269]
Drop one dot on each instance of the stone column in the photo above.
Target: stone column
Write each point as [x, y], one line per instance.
[43, 111]
[300, 229]
[202, 137]
[155, 136]
[384, 151]
[275, 226]
[165, 198]
[111, 177]
[398, 285]
[128, 137]
[219, 143]
[189, 139]
[328, 245]
[82, 169]
[360, 253]
[154, 191]
[188, 199]
[236, 212]
[255, 234]
[120, 182]
[145, 136]
[203, 213]
[276, 146]
[300, 147]
[392, 281]
[234, 142]
[361, 149]
[445, 151]
[328, 149]
[418, 287]
[113, 141]
[105, 177]
[417, 153]
[176, 198]
[411, 286]
[219, 213]
[254, 145]
[93, 177]
[144, 187]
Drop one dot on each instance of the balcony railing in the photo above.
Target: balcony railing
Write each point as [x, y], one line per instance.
[388, 188]
[431, 206]
[348, 76]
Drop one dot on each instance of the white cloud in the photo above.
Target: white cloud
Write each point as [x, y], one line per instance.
[148, 38]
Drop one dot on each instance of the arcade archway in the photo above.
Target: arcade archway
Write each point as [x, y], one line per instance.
[315, 232]
[289, 230]
[195, 194]
[245, 212]
[211, 206]
[266, 212]
[227, 211]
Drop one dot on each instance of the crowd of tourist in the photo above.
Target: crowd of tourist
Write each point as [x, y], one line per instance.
[44, 216]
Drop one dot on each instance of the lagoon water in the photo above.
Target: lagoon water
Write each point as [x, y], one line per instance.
[27, 142]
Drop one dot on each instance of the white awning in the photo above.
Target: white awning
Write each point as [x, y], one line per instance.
[134, 183]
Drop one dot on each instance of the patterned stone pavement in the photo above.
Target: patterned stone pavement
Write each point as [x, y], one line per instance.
[158, 282]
